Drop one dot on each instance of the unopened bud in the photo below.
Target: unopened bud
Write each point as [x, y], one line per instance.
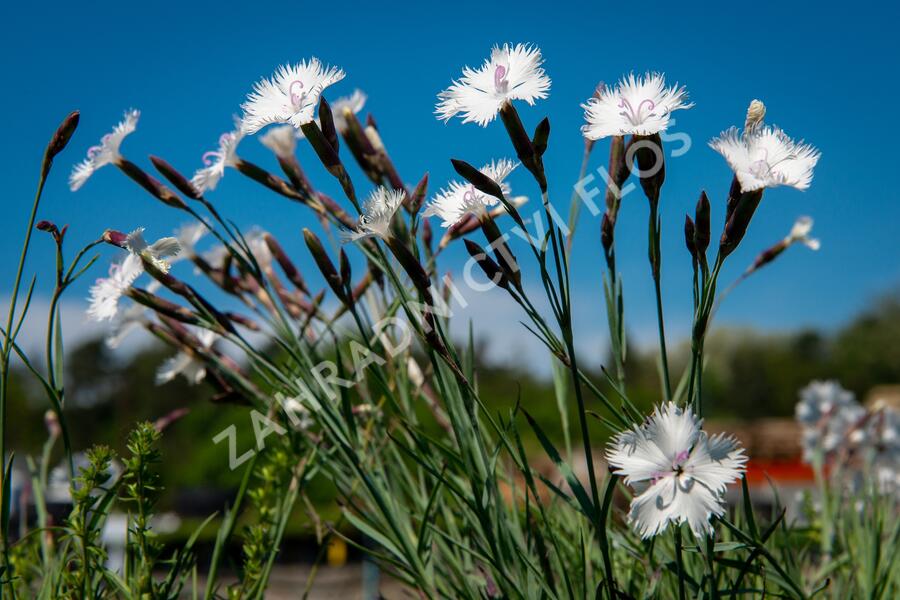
[690, 237]
[755, 114]
[285, 263]
[151, 184]
[47, 226]
[116, 238]
[326, 118]
[62, 135]
[326, 267]
[418, 195]
[180, 182]
[702, 224]
[490, 268]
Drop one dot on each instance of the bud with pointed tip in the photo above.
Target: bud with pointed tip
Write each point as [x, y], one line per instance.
[702, 225]
[60, 138]
[181, 183]
[491, 269]
[690, 238]
[286, 264]
[482, 182]
[326, 118]
[418, 195]
[541, 136]
[326, 267]
[150, 183]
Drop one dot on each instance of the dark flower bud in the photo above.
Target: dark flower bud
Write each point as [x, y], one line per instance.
[47, 226]
[62, 135]
[322, 147]
[503, 254]
[491, 269]
[326, 267]
[286, 264]
[427, 236]
[482, 182]
[690, 237]
[701, 224]
[181, 183]
[151, 184]
[326, 118]
[541, 136]
[344, 263]
[418, 195]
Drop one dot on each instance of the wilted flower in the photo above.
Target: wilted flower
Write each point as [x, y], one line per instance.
[106, 152]
[826, 412]
[511, 73]
[186, 365]
[281, 140]
[800, 233]
[766, 157]
[378, 211]
[459, 199]
[679, 472]
[639, 105]
[216, 160]
[352, 103]
[290, 96]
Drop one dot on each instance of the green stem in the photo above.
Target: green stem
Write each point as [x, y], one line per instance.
[655, 264]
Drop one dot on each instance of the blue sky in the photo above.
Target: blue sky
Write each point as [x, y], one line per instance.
[826, 75]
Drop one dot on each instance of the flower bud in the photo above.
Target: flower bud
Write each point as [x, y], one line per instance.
[418, 195]
[491, 269]
[541, 136]
[326, 267]
[326, 118]
[273, 182]
[503, 254]
[47, 226]
[61, 137]
[115, 238]
[286, 264]
[344, 263]
[51, 422]
[322, 147]
[690, 237]
[702, 224]
[482, 182]
[180, 182]
[736, 226]
[522, 143]
[151, 184]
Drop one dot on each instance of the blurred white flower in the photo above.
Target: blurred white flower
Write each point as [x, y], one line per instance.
[106, 292]
[826, 413]
[290, 96]
[459, 199]
[216, 160]
[106, 152]
[639, 105]
[679, 473]
[352, 104]
[187, 237]
[511, 73]
[187, 366]
[281, 140]
[766, 157]
[378, 211]
[132, 318]
[800, 233]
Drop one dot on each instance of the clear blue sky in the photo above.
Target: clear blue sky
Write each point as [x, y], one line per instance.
[827, 75]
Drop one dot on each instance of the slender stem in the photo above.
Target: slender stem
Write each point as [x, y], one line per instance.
[679, 561]
[655, 258]
[574, 204]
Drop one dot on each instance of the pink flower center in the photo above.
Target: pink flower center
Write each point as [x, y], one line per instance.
[296, 91]
[636, 116]
[500, 80]
[95, 150]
